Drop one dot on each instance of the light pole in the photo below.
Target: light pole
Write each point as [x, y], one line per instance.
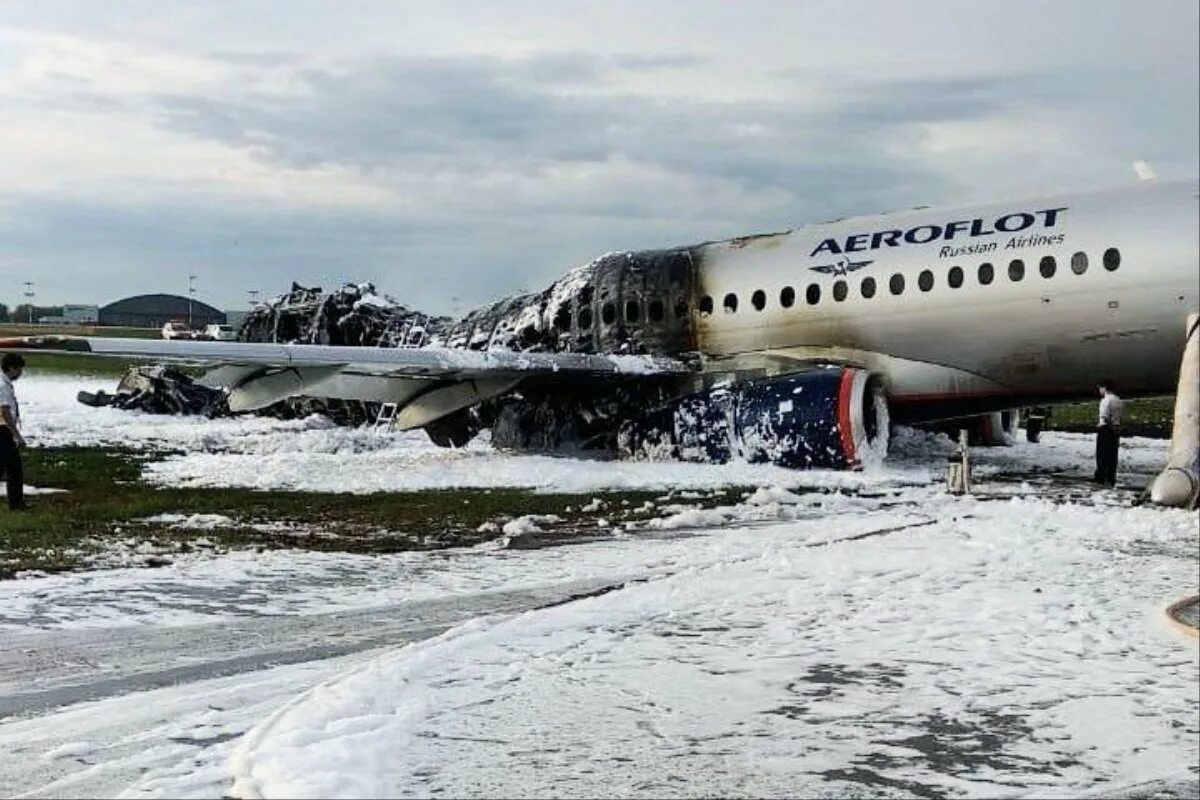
[29, 299]
[253, 297]
[191, 294]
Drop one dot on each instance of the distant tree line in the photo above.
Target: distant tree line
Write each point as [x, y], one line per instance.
[21, 312]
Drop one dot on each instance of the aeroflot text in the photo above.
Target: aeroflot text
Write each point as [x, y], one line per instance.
[924, 234]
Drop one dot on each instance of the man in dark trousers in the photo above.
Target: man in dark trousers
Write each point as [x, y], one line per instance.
[11, 440]
[1108, 433]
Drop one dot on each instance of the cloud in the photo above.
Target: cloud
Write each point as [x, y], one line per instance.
[499, 155]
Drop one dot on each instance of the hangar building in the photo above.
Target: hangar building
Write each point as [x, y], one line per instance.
[154, 310]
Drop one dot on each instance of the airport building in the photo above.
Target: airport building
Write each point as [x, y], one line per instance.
[154, 310]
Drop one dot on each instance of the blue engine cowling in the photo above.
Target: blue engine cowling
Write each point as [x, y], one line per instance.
[830, 417]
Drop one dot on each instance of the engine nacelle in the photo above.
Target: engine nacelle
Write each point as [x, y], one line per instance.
[833, 417]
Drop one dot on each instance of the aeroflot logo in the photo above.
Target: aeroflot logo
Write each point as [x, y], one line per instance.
[924, 234]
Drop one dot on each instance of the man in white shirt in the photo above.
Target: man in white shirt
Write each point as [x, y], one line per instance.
[1108, 433]
[11, 440]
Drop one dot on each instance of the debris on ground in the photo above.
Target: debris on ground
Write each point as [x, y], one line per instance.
[354, 315]
[161, 390]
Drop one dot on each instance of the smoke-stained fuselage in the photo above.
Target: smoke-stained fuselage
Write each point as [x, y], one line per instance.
[958, 311]
[795, 348]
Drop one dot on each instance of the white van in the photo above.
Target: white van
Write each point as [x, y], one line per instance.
[220, 333]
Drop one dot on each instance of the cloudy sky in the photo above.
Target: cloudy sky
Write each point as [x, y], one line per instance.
[453, 152]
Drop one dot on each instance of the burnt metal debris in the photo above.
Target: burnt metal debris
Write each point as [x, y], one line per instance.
[630, 302]
[160, 390]
[354, 315]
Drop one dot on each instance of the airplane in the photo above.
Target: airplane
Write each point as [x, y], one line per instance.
[798, 348]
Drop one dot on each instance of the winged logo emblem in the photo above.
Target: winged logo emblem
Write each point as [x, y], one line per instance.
[843, 266]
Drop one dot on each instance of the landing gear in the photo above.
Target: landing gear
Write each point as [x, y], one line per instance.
[1037, 419]
[454, 430]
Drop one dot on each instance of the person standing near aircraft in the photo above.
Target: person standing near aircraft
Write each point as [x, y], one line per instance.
[1108, 433]
[11, 440]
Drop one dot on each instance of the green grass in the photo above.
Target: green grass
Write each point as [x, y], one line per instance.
[105, 496]
[1144, 416]
[21, 329]
[39, 363]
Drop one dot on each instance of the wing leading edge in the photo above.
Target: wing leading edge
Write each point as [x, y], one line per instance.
[434, 362]
[425, 383]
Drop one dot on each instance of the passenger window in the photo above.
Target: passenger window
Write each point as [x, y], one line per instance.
[585, 319]
[813, 294]
[925, 281]
[787, 297]
[1112, 259]
[1016, 270]
[759, 300]
[986, 273]
[730, 303]
[867, 287]
[955, 277]
[840, 290]
[1079, 263]
[608, 313]
[706, 306]
[655, 310]
[1047, 266]
[681, 309]
[896, 284]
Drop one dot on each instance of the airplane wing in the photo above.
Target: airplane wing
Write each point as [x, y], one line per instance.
[426, 383]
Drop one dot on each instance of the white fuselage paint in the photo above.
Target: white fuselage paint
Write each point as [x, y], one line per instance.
[1037, 336]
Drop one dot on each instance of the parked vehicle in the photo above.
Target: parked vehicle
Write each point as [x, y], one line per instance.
[175, 329]
[220, 333]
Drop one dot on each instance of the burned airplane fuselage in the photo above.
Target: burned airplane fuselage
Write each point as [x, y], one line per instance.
[634, 303]
[631, 303]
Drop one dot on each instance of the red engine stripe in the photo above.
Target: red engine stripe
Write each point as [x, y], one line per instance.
[845, 428]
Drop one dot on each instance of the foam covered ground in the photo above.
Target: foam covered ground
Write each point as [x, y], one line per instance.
[874, 638]
[1005, 649]
[314, 455]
